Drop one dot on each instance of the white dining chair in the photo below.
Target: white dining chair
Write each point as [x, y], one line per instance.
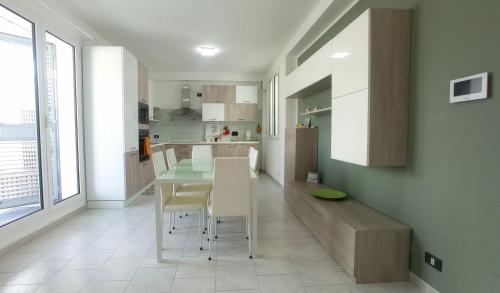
[184, 189]
[171, 203]
[171, 158]
[253, 155]
[230, 196]
[202, 152]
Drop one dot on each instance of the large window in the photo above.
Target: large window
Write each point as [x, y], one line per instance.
[61, 110]
[274, 106]
[20, 175]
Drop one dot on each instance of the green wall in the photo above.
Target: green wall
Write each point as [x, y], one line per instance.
[449, 193]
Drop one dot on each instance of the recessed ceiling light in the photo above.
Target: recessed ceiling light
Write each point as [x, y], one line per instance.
[340, 55]
[206, 50]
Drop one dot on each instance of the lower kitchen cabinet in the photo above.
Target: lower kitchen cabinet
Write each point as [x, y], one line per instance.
[137, 174]
[236, 150]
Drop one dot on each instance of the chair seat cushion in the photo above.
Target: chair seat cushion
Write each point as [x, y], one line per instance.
[181, 203]
[193, 188]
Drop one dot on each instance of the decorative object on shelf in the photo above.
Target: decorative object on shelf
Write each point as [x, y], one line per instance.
[258, 129]
[226, 131]
[248, 135]
[307, 123]
[329, 194]
[313, 177]
[156, 138]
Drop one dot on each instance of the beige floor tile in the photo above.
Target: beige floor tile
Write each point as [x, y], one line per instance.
[279, 284]
[119, 269]
[329, 289]
[195, 268]
[88, 260]
[272, 265]
[198, 285]
[14, 262]
[152, 280]
[319, 273]
[36, 273]
[19, 289]
[105, 287]
[236, 277]
[67, 281]
[306, 252]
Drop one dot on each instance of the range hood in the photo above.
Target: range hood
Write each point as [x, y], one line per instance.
[186, 107]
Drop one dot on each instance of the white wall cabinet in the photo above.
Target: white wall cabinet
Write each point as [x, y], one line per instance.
[370, 88]
[110, 80]
[213, 112]
[246, 94]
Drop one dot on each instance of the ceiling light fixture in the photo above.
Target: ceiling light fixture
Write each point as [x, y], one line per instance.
[207, 50]
[340, 55]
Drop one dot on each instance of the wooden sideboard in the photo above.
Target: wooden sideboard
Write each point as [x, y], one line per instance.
[369, 246]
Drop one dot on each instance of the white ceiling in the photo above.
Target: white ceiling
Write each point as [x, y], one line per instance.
[165, 33]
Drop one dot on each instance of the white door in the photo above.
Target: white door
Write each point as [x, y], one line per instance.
[212, 112]
[350, 48]
[246, 94]
[350, 128]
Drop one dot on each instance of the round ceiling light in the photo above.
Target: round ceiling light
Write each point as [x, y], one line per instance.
[206, 50]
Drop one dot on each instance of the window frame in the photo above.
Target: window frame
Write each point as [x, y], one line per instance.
[274, 111]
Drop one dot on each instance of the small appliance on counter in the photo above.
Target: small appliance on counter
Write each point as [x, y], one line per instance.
[156, 138]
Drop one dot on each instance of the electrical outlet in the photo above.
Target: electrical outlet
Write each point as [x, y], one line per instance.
[433, 261]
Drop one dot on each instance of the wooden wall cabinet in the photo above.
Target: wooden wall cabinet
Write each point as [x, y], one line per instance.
[370, 88]
[143, 83]
[219, 94]
[241, 112]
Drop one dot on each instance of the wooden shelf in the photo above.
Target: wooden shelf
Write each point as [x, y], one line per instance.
[319, 111]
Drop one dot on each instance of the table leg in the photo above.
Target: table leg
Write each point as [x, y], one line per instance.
[255, 248]
[159, 222]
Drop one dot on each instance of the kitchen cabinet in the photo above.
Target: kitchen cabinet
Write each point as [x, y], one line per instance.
[110, 95]
[146, 173]
[370, 88]
[132, 173]
[246, 94]
[218, 150]
[143, 90]
[213, 112]
[235, 150]
[218, 94]
[241, 112]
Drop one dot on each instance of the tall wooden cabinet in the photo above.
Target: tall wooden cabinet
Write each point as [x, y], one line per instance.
[370, 88]
[143, 91]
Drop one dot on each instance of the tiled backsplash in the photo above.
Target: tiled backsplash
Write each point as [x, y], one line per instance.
[178, 128]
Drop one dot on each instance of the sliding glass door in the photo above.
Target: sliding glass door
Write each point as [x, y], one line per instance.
[20, 172]
[39, 121]
[62, 118]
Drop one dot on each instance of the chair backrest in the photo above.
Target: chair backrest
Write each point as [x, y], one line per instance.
[231, 187]
[202, 152]
[171, 159]
[253, 155]
[159, 167]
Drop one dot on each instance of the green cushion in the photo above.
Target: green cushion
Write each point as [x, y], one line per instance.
[331, 194]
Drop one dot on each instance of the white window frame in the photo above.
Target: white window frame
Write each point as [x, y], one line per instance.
[274, 109]
[51, 212]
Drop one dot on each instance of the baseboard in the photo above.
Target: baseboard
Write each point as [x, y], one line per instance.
[24, 240]
[116, 204]
[421, 284]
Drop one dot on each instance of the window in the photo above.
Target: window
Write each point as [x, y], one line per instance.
[274, 106]
[62, 118]
[20, 167]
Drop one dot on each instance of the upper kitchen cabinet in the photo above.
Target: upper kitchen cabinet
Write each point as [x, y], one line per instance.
[241, 112]
[143, 83]
[246, 94]
[370, 88]
[213, 112]
[219, 94]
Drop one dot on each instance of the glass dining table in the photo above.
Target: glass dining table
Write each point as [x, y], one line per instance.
[195, 171]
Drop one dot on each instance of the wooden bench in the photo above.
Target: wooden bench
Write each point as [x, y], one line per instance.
[370, 246]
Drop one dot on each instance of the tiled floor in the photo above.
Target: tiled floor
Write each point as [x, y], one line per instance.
[113, 250]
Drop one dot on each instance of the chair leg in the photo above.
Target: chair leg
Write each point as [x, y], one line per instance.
[170, 223]
[202, 218]
[218, 220]
[200, 221]
[210, 229]
[246, 227]
[205, 218]
[249, 237]
[173, 227]
[215, 226]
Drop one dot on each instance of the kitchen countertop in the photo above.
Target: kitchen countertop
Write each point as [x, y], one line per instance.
[205, 142]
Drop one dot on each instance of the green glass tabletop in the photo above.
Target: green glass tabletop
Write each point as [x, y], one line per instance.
[189, 170]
